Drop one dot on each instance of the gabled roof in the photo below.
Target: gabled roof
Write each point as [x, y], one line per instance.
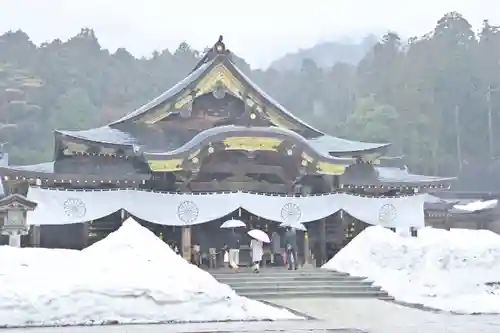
[113, 134]
[19, 199]
[199, 73]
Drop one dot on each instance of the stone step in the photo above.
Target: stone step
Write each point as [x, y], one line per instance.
[284, 273]
[277, 270]
[271, 270]
[291, 273]
[282, 283]
[307, 294]
[309, 289]
[303, 279]
[263, 284]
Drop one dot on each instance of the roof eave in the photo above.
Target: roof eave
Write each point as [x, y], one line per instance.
[443, 183]
[7, 173]
[59, 134]
[381, 150]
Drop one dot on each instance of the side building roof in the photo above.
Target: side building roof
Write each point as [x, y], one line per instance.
[366, 175]
[115, 170]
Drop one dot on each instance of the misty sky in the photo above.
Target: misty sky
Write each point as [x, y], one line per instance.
[258, 30]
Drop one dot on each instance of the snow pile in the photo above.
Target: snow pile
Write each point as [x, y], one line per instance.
[129, 277]
[456, 271]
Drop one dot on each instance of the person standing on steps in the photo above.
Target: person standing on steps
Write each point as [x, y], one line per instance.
[275, 248]
[291, 248]
[257, 248]
[234, 249]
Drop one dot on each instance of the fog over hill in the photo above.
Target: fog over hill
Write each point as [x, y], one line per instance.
[327, 54]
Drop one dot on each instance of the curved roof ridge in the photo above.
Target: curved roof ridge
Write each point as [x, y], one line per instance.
[198, 138]
[243, 131]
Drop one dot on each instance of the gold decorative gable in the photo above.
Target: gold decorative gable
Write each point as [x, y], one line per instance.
[252, 143]
[218, 76]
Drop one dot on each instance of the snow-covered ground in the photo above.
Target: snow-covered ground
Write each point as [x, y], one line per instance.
[129, 277]
[456, 271]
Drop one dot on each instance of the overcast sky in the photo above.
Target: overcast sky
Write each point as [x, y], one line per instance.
[258, 30]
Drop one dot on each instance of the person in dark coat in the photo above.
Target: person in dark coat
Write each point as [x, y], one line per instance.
[233, 244]
[291, 248]
[275, 248]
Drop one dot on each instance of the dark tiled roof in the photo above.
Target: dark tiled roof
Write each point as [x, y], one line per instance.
[104, 134]
[73, 168]
[47, 167]
[396, 175]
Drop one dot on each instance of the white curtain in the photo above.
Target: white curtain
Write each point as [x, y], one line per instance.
[179, 209]
[291, 209]
[402, 212]
[66, 207]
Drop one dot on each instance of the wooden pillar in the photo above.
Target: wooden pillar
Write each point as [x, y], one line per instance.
[212, 263]
[447, 220]
[333, 182]
[186, 243]
[307, 251]
[85, 234]
[123, 215]
[35, 236]
[322, 240]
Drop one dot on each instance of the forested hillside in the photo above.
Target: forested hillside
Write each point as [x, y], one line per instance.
[430, 96]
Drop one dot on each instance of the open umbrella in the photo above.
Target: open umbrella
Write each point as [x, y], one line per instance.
[259, 235]
[233, 224]
[298, 226]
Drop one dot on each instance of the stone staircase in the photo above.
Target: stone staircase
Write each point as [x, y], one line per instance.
[282, 283]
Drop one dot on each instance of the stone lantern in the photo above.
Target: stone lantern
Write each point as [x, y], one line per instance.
[13, 209]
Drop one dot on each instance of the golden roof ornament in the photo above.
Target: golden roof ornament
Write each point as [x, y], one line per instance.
[220, 47]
